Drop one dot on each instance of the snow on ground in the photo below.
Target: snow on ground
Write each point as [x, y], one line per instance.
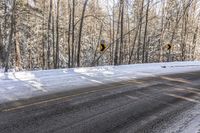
[22, 85]
[188, 122]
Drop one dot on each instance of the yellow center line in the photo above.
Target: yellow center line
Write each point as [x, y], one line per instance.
[59, 98]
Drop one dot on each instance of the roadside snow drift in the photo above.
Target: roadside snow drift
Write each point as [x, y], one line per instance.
[22, 85]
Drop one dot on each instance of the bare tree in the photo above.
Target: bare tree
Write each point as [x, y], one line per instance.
[49, 36]
[49, 33]
[140, 31]
[57, 36]
[8, 52]
[80, 33]
[116, 57]
[122, 33]
[69, 35]
[145, 33]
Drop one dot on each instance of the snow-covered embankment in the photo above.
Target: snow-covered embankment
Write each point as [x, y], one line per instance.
[22, 85]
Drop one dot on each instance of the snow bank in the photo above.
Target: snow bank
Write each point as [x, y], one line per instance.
[22, 85]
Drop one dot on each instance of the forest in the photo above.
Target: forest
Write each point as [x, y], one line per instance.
[53, 34]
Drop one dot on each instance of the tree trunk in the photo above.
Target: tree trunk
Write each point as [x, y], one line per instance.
[98, 44]
[133, 46]
[1, 46]
[43, 39]
[145, 33]
[53, 38]
[49, 36]
[194, 42]
[80, 33]
[113, 33]
[116, 58]
[162, 33]
[122, 34]
[184, 35]
[57, 37]
[8, 52]
[73, 32]
[69, 35]
[140, 31]
[18, 53]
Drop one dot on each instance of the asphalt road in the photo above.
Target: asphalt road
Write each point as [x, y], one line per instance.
[164, 104]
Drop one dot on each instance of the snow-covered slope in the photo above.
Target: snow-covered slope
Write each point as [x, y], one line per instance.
[22, 85]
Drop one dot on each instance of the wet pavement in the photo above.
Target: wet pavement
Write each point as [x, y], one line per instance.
[163, 104]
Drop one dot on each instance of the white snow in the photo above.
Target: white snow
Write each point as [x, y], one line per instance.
[188, 122]
[22, 85]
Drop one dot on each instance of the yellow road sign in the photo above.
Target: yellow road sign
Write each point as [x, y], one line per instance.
[169, 46]
[102, 46]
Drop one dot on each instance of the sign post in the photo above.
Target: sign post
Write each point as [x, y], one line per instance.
[169, 47]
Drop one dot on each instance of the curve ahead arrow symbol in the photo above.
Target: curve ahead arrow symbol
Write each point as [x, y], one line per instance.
[169, 47]
[103, 47]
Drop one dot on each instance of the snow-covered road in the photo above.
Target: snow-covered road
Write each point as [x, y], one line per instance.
[22, 85]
